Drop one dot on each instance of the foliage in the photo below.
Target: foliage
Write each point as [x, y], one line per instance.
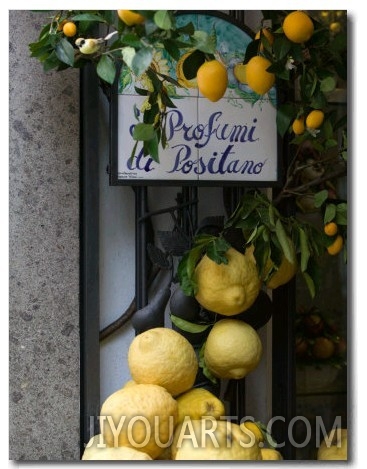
[307, 74]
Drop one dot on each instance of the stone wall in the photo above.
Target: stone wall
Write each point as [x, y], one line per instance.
[44, 391]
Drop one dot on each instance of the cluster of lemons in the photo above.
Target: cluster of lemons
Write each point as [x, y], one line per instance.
[331, 229]
[158, 414]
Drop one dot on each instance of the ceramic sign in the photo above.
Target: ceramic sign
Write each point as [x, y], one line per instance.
[232, 140]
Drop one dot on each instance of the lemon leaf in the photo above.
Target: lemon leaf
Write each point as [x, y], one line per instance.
[285, 242]
[305, 251]
[188, 326]
[310, 284]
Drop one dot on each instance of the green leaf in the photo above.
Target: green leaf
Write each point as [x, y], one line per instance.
[143, 132]
[285, 115]
[330, 212]
[341, 216]
[204, 42]
[327, 84]
[188, 326]
[65, 52]
[151, 147]
[305, 250]
[310, 284]
[142, 60]
[172, 49]
[186, 270]
[216, 250]
[128, 54]
[88, 17]
[285, 242]
[320, 197]
[163, 19]
[106, 69]
[281, 46]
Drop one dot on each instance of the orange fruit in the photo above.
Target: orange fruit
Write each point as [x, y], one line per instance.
[258, 79]
[298, 125]
[315, 119]
[69, 29]
[212, 79]
[336, 247]
[130, 18]
[331, 228]
[298, 27]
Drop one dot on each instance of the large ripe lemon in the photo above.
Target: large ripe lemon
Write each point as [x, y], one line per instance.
[97, 450]
[233, 349]
[270, 454]
[210, 439]
[163, 356]
[199, 402]
[212, 80]
[298, 27]
[282, 275]
[335, 446]
[228, 289]
[257, 76]
[142, 417]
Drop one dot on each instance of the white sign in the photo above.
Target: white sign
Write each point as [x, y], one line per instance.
[233, 139]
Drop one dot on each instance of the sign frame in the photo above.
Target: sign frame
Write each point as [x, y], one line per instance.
[115, 110]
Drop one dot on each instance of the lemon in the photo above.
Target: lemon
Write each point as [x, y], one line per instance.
[228, 289]
[210, 439]
[267, 34]
[257, 76]
[97, 450]
[199, 402]
[331, 228]
[298, 27]
[129, 383]
[239, 71]
[336, 246]
[254, 429]
[335, 446]
[298, 125]
[271, 454]
[141, 417]
[314, 119]
[130, 18]
[212, 80]
[232, 349]
[283, 275]
[163, 356]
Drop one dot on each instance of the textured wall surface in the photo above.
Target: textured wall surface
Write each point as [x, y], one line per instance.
[44, 252]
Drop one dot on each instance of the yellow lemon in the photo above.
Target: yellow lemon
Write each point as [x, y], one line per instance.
[239, 71]
[335, 446]
[314, 119]
[232, 349]
[130, 18]
[163, 356]
[270, 454]
[199, 402]
[257, 76]
[298, 27]
[141, 417]
[298, 125]
[336, 246]
[212, 80]
[283, 275]
[267, 34]
[211, 439]
[97, 450]
[254, 429]
[231, 288]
